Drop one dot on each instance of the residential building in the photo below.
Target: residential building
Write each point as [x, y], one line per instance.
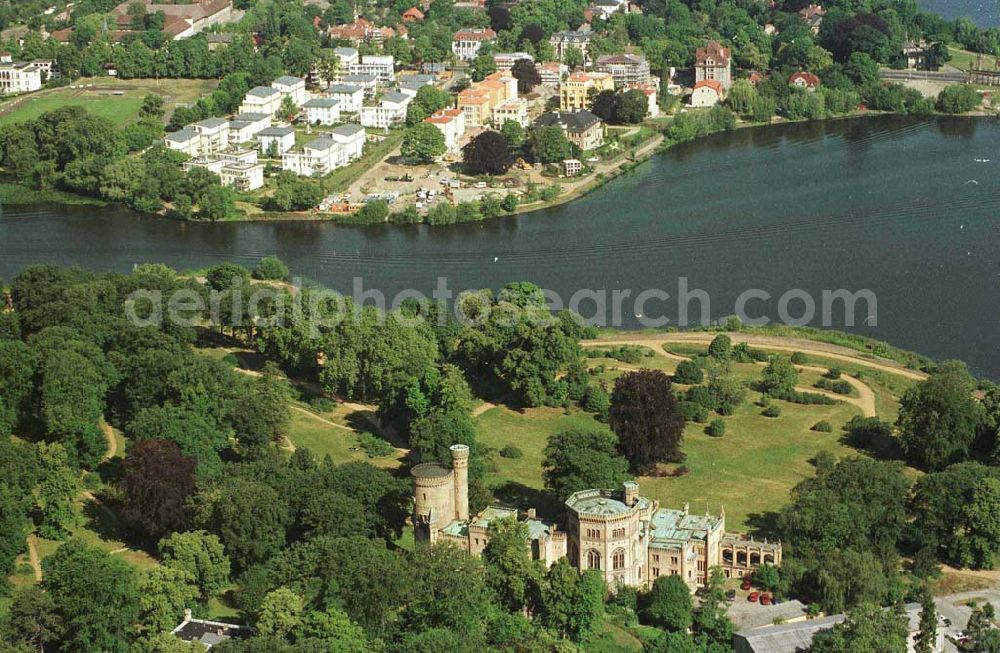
[214, 133]
[627, 538]
[349, 97]
[651, 93]
[314, 159]
[551, 72]
[516, 110]
[508, 81]
[348, 57]
[625, 69]
[797, 636]
[466, 42]
[276, 139]
[180, 20]
[351, 138]
[362, 31]
[410, 84]
[583, 129]
[20, 77]
[208, 633]
[603, 9]
[915, 53]
[812, 16]
[185, 140]
[261, 99]
[390, 111]
[563, 41]
[707, 93]
[451, 123]
[291, 87]
[244, 127]
[505, 60]
[383, 67]
[805, 80]
[367, 82]
[243, 177]
[322, 111]
[714, 62]
[413, 15]
[477, 107]
[575, 90]
[572, 167]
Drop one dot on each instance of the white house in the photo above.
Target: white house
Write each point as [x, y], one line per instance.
[391, 110]
[466, 42]
[350, 97]
[316, 158]
[347, 56]
[282, 138]
[322, 111]
[243, 176]
[210, 163]
[707, 93]
[410, 84]
[186, 140]
[261, 99]
[293, 87]
[368, 82]
[505, 60]
[244, 127]
[237, 155]
[451, 123]
[351, 138]
[19, 77]
[214, 134]
[382, 66]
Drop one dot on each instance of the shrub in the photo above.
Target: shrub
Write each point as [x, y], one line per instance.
[597, 401]
[374, 446]
[721, 347]
[822, 426]
[271, 268]
[693, 412]
[799, 358]
[702, 396]
[409, 215]
[728, 394]
[512, 452]
[689, 373]
[806, 398]
[841, 387]
[322, 405]
[833, 373]
[742, 353]
[771, 411]
[961, 98]
[372, 213]
[716, 429]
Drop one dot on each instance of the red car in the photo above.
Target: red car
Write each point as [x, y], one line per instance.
[746, 584]
[765, 599]
[753, 597]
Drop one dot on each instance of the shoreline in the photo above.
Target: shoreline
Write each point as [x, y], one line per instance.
[26, 196]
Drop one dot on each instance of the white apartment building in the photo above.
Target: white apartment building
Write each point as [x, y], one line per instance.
[410, 84]
[382, 66]
[351, 138]
[243, 176]
[293, 87]
[186, 140]
[466, 42]
[262, 99]
[316, 158]
[348, 57]
[282, 138]
[505, 60]
[214, 133]
[19, 77]
[516, 110]
[244, 127]
[390, 111]
[350, 97]
[451, 123]
[368, 82]
[322, 111]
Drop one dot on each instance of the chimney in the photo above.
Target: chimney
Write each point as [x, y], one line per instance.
[187, 615]
[686, 507]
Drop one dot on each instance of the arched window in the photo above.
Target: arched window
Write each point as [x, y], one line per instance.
[755, 558]
[618, 559]
[593, 559]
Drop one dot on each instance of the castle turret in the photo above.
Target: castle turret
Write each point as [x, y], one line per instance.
[460, 466]
[433, 499]
[631, 493]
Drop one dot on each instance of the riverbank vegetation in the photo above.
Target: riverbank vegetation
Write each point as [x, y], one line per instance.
[246, 445]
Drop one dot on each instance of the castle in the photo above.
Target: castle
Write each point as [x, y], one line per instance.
[628, 538]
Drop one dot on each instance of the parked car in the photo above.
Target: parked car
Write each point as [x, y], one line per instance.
[746, 584]
[765, 599]
[753, 597]
[731, 595]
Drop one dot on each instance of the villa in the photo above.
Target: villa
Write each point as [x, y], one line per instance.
[466, 42]
[350, 97]
[390, 111]
[293, 87]
[261, 99]
[322, 111]
[276, 139]
[582, 128]
[714, 63]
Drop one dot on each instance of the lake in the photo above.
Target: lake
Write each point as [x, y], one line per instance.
[985, 13]
[906, 209]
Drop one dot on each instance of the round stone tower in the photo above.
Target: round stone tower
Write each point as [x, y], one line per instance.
[433, 499]
[460, 467]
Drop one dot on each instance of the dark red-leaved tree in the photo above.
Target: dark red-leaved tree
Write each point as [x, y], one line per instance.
[156, 482]
[488, 153]
[647, 419]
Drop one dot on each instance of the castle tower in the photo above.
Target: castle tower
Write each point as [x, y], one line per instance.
[631, 493]
[433, 499]
[460, 467]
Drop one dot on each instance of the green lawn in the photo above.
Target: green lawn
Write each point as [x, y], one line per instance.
[323, 439]
[119, 110]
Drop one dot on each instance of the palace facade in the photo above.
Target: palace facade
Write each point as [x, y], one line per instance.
[629, 539]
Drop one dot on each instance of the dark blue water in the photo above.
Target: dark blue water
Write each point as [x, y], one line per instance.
[896, 206]
[985, 13]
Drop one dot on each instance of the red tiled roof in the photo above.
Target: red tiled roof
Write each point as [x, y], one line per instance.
[413, 14]
[713, 84]
[715, 51]
[810, 80]
[485, 34]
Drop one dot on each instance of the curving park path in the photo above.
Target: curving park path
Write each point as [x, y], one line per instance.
[865, 401]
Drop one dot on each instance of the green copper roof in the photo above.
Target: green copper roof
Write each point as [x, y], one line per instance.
[674, 526]
[597, 502]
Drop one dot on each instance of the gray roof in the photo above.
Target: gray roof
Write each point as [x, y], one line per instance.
[573, 36]
[346, 52]
[345, 89]
[321, 143]
[597, 502]
[573, 121]
[288, 80]
[263, 92]
[361, 78]
[349, 129]
[182, 135]
[211, 123]
[276, 131]
[393, 96]
[321, 103]
[252, 116]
